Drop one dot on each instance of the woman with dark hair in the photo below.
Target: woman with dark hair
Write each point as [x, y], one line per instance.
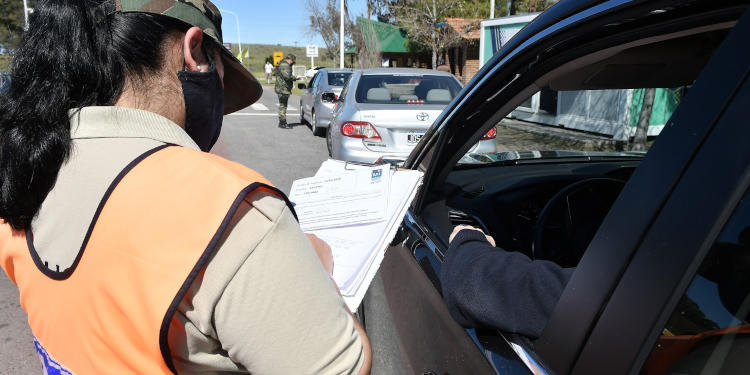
[133, 250]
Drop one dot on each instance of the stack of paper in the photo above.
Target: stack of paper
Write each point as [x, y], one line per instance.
[359, 239]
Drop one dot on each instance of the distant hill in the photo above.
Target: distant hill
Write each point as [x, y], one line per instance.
[257, 56]
[259, 52]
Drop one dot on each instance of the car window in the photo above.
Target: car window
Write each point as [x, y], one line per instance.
[315, 79]
[558, 124]
[338, 78]
[709, 328]
[407, 89]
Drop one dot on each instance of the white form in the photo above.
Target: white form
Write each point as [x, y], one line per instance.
[358, 250]
[355, 197]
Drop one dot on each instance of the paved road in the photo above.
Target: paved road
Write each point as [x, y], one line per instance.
[250, 137]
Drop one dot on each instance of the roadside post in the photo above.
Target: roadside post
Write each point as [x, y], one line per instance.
[312, 53]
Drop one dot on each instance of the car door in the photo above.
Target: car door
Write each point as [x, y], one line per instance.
[308, 96]
[699, 231]
[602, 324]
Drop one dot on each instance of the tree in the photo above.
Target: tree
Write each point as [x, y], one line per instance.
[641, 132]
[367, 44]
[11, 24]
[325, 21]
[382, 10]
[424, 22]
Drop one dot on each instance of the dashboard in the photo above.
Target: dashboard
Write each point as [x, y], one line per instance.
[507, 202]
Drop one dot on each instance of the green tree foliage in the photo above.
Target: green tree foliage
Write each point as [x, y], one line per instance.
[382, 10]
[481, 8]
[11, 24]
[325, 21]
[424, 22]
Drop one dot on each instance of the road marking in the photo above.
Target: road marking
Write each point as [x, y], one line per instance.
[288, 108]
[259, 107]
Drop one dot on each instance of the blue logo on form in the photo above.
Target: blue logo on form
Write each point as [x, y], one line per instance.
[376, 174]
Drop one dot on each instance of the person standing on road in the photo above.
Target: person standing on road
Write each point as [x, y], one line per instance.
[269, 71]
[134, 250]
[284, 82]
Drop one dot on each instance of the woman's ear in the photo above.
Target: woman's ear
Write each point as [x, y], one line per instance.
[195, 59]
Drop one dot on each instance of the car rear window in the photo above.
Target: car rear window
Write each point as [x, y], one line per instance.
[407, 89]
[338, 79]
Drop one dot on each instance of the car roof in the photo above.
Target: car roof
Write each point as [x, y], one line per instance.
[337, 70]
[385, 71]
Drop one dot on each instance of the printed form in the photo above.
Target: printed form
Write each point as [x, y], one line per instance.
[344, 199]
[358, 247]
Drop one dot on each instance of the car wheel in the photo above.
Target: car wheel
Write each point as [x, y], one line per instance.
[317, 131]
[301, 112]
[329, 141]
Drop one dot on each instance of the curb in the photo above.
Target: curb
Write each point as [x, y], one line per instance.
[577, 139]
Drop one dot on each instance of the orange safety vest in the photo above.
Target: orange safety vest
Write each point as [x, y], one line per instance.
[152, 234]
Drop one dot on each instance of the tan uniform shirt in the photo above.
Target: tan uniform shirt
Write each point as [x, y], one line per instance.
[264, 304]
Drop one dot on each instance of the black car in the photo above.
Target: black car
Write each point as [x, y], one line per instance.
[660, 240]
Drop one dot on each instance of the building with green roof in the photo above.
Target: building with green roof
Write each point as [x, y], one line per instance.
[391, 43]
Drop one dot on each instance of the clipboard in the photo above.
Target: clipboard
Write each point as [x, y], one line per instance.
[358, 250]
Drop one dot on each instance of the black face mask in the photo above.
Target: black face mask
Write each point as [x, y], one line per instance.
[204, 105]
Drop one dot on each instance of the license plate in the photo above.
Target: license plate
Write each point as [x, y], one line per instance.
[413, 138]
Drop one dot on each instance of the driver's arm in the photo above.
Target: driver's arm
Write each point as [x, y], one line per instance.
[485, 286]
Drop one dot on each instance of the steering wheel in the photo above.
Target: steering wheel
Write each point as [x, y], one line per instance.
[569, 220]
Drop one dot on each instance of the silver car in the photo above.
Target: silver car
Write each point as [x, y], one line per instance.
[317, 101]
[383, 113]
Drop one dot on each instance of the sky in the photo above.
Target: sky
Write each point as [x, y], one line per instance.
[272, 21]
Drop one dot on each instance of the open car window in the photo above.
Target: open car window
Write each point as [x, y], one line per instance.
[581, 123]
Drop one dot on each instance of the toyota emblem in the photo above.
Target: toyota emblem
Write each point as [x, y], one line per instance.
[422, 116]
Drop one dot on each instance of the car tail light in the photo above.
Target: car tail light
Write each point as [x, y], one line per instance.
[359, 129]
[490, 134]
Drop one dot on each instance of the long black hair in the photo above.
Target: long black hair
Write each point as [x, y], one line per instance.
[69, 58]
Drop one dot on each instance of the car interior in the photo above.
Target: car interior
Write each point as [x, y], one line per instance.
[550, 208]
[407, 89]
[547, 204]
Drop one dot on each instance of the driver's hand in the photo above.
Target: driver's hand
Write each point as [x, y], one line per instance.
[461, 227]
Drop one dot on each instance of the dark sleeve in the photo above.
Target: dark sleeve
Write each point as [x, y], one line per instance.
[485, 286]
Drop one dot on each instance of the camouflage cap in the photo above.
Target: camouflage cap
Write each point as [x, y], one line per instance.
[240, 87]
[291, 56]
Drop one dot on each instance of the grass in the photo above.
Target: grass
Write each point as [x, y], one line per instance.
[258, 53]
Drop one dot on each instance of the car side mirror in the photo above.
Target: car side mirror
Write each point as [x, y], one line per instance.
[301, 86]
[328, 97]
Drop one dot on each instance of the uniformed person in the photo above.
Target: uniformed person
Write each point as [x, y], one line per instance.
[133, 250]
[284, 82]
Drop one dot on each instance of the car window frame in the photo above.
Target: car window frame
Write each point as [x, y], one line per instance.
[313, 81]
[426, 160]
[674, 255]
